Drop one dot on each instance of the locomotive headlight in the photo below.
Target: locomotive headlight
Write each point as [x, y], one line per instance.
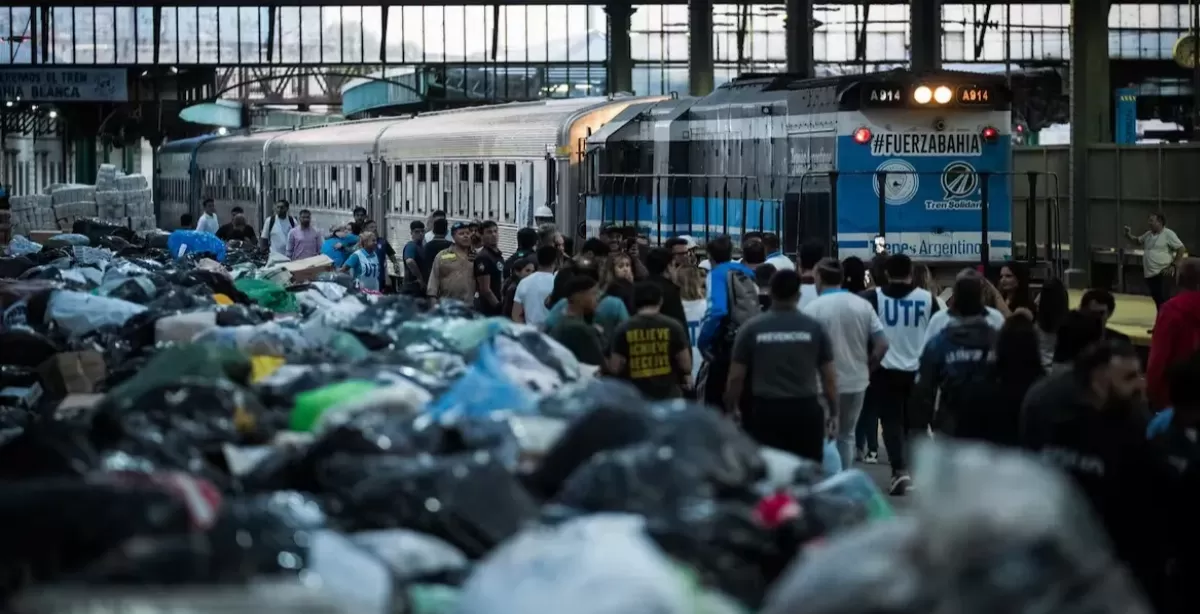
[922, 95]
[942, 94]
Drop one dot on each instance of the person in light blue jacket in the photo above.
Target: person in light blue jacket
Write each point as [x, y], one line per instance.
[340, 244]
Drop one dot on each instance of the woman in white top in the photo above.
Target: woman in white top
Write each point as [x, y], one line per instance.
[690, 280]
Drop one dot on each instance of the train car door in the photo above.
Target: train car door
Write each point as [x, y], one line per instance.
[810, 214]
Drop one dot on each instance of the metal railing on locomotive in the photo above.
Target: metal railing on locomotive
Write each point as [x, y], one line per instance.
[1053, 249]
[617, 190]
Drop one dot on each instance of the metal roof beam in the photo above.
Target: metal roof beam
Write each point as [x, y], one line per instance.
[326, 3]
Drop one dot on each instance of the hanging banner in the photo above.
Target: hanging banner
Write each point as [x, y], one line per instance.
[1126, 114]
[64, 84]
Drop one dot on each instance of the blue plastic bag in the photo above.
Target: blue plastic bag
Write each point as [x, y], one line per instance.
[183, 242]
[484, 388]
[831, 464]
[72, 239]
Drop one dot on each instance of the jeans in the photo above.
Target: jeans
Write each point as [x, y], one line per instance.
[849, 407]
[866, 434]
[1157, 286]
[890, 395]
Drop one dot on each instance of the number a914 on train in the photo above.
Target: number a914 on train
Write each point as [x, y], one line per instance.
[918, 159]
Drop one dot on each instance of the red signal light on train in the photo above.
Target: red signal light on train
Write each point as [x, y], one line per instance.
[990, 134]
[862, 136]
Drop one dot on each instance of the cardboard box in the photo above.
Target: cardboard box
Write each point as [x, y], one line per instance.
[75, 405]
[72, 373]
[41, 236]
[308, 269]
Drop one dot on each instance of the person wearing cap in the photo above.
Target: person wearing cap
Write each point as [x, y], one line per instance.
[452, 274]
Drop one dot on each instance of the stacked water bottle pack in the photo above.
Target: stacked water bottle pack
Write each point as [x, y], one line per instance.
[116, 199]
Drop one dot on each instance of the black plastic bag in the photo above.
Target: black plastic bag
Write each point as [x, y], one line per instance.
[118, 245]
[96, 230]
[253, 537]
[602, 429]
[727, 547]
[55, 527]
[45, 449]
[470, 500]
[382, 431]
[134, 290]
[579, 398]
[12, 267]
[382, 323]
[26, 347]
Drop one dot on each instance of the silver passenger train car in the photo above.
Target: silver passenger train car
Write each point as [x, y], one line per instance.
[499, 162]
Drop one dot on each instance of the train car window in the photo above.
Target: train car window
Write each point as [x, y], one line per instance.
[333, 174]
[358, 174]
[510, 172]
[435, 172]
[229, 174]
[478, 173]
[421, 173]
[464, 173]
[408, 169]
[493, 172]
[397, 174]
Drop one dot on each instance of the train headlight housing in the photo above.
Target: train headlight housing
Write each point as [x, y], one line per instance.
[990, 134]
[942, 94]
[922, 95]
[862, 136]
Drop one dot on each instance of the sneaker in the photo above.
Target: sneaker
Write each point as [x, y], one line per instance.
[900, 485]
[871, 458]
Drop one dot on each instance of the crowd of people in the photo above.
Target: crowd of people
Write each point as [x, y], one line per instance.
[815, 350]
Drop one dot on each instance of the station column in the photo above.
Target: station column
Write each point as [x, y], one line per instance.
[1091, 102]
[925, 34]
[620, 60]
[700, 47]
[799, 37]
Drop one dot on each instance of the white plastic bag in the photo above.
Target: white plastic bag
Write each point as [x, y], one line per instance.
[79, 313]
[601, 564]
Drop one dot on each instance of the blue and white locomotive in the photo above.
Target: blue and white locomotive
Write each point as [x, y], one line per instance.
[916, 158]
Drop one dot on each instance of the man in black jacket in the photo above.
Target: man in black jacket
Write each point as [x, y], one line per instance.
[1177, 432]
[659, 264]
[1085, 419]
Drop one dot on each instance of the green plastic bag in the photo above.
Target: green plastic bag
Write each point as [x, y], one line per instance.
[311, 405]
[432, 598]
[268, 294]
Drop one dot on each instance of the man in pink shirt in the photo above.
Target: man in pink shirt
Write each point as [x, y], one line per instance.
[304, 241]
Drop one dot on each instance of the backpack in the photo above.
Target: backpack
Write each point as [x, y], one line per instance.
[743, 299]
[271, 224]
